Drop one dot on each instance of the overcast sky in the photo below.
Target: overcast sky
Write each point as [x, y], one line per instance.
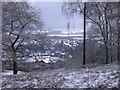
[54, 18]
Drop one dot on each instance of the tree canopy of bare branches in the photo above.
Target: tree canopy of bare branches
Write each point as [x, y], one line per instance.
[18, 19]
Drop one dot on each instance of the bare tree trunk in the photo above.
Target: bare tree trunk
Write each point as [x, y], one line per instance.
[118, 50]
[106, 36]
[118, 45]
[14, 63]
[84, 44]
[111, 45]
[118, 32]
[111, 53]
[106, 53]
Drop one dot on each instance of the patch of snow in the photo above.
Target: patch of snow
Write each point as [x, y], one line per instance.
[10, 72]
[31, 60]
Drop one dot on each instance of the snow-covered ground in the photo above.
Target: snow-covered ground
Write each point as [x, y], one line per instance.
[10, 72]
[101, 76]
[46, 59]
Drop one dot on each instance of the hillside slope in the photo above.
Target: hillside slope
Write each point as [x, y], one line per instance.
[101, 76]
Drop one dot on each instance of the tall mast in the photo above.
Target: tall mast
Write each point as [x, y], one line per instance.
[68, 28]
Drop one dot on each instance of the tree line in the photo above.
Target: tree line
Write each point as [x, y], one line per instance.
[104, 18]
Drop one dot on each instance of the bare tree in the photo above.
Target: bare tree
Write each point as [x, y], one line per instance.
[98, 14]
[18, 19]
[70, 8]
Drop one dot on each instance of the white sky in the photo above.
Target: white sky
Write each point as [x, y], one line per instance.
[53, 17]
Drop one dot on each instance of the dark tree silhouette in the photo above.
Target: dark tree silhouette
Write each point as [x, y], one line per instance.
[84, 40]
[17, 18]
